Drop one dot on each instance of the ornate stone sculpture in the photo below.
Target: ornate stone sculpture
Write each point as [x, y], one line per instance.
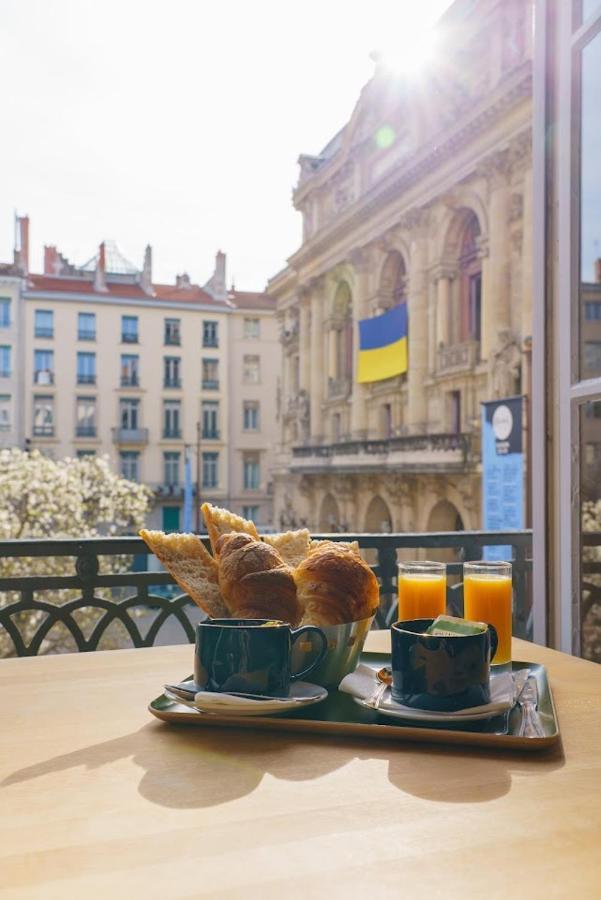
[505, 367]
[303, 414]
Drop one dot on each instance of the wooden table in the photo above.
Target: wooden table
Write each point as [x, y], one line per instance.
[97, 799]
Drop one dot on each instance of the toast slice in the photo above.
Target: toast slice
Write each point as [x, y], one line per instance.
[353, 546]
[293, 546]
[189, 562]
[222, 521]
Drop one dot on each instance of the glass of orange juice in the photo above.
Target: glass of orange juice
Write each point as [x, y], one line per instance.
[422, 590]
[487, 597]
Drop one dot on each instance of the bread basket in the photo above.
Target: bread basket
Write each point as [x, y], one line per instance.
[345, 643]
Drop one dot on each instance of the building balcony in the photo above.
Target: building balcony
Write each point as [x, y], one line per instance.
[429, 453]
[43, 376]
[210, 384]
[43, 332]
[172, 340]
[172, 382]
[174, 433]
[130, 380]
[339, 388]
[43, 430]
[210, 342]
[168, 489]
[458, 357]
[86, 334]
[85, 431]
[86, 379]
[129, 338]
[130, 436]
[212, 435]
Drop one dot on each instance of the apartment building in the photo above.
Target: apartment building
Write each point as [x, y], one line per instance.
[112, 362]
[423, 199]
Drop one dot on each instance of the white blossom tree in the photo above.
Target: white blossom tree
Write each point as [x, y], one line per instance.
[591, 583]
[68, 498]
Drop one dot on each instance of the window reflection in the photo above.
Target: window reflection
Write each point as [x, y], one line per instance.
[590, 213]
[590, 500]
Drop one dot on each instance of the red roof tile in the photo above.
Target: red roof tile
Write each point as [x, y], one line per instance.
[169, 292]
[251, 300]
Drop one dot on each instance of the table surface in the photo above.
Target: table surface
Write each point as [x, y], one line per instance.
[98, 799]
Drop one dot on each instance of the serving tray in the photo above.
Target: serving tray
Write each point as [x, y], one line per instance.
[340, 715]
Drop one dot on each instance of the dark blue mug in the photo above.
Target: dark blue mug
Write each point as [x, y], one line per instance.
[249, 656]
[443, 673]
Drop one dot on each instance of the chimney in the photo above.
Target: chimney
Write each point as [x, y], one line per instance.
[216, 284]
[598, 270]
[183, 281]
[100, 273]
[21, 253]
[146, 278]
[52, 263]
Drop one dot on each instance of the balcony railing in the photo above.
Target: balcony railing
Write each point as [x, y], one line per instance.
[172, 433]
[86, 378]
[414, 453]
[210, 384]
[43, 331]
[28, 614]
[172, 340]
[172, 382]
[208, 341]
[86, 334]
[85, 431]
[43, 376]
[43, 430]
[131, 380]
[168, 489]
[458, 357]
[129, 338]
[211, 434]
[130, 435]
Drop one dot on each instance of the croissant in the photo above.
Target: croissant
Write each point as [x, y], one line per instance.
[254, 580]
[334, 585]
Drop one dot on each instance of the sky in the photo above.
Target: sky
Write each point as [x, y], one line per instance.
[180, 124]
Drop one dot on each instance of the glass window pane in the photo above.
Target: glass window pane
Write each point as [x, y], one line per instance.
[590, 500]
[590, 213]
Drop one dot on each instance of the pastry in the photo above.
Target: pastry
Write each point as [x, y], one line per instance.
[334, 585]
[255, 581]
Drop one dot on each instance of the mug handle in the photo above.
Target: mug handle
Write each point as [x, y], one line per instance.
[494, 641]
[296, 633]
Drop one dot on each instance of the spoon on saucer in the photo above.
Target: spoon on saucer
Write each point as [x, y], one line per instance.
[384, 676]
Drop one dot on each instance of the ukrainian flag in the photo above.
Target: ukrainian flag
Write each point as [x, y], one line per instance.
[383, 345]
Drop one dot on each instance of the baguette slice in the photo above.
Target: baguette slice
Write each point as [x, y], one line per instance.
[222, 521]
[293, 546]
[353, 546]
[189, 562]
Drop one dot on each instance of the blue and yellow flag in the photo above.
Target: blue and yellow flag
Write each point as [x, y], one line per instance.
[383, 345]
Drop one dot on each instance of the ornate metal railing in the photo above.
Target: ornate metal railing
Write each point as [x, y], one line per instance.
[24, 598]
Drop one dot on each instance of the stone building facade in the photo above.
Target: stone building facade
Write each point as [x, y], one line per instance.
[425, 196]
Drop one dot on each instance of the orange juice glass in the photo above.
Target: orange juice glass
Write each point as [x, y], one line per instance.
[487, 597]
[422, 590]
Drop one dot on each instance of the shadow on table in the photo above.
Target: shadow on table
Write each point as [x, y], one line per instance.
[191, 768]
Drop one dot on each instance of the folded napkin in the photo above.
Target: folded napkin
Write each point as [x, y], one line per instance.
[363, 681]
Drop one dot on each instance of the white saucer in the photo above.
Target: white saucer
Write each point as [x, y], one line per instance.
[301, 694]
[501, 701]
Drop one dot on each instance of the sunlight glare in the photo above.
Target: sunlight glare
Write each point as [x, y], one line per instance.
[410, 54]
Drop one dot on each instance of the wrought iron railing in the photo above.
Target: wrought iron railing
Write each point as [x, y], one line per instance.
[136, 594]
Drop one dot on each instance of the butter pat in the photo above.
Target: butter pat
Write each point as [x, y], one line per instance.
[449, 626]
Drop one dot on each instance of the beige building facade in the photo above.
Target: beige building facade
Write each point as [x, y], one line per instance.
[424, 197]
[109, 362]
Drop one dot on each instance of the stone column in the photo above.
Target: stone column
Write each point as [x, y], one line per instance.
[360, 263]
[443, 304]
[304, 343]
[332, 369]
[418, 328]
[526, 325]
[495, 299]
[317, 361]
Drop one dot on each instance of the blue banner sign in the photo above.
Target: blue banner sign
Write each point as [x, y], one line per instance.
[502, 470]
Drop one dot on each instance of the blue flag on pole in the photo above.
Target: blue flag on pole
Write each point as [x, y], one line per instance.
[188, 492]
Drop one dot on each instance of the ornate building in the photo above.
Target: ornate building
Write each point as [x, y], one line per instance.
[424, 196]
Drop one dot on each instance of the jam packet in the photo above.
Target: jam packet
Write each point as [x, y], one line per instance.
[449, 626]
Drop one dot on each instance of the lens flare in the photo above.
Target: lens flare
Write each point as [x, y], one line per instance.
[385, 137]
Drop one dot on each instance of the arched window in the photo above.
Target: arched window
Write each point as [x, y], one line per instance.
[470, 282]
[393, 281]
